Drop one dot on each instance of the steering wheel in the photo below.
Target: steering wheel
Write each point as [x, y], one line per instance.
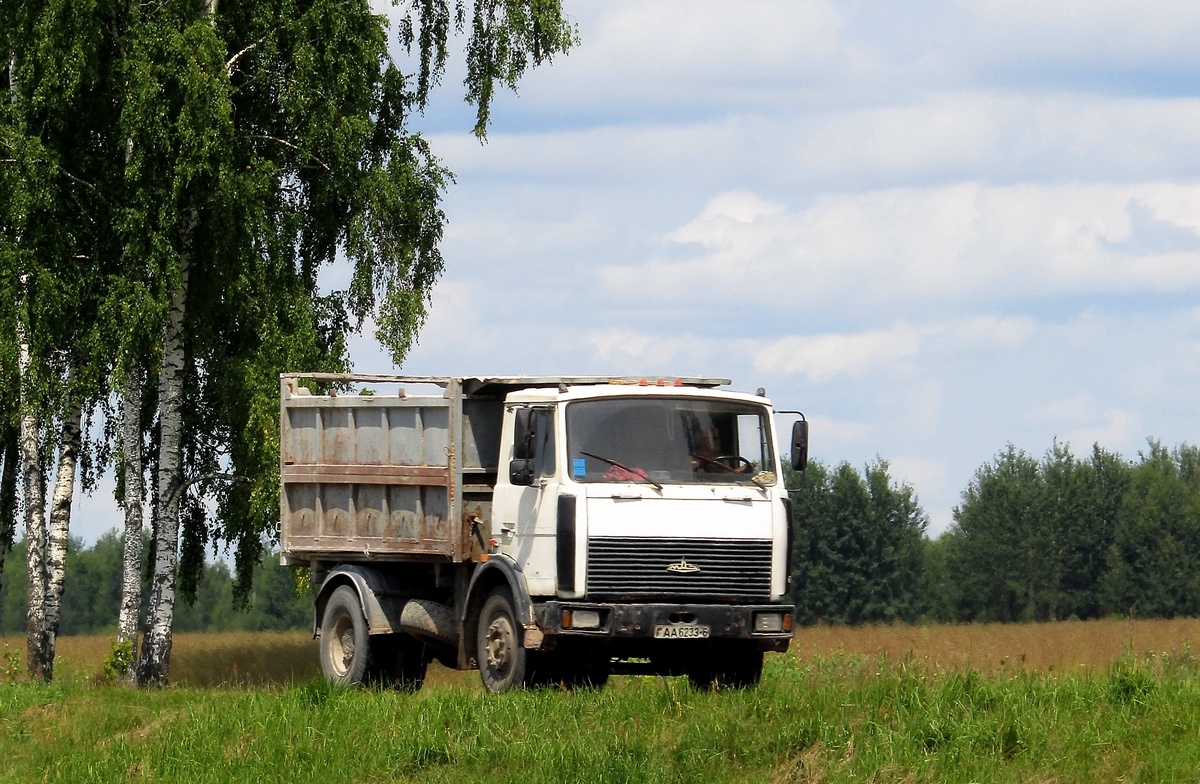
[734, 464]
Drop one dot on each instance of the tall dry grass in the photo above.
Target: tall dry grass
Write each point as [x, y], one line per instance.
[219, 659]
[235, 659]
[198, 658]
[989, 647]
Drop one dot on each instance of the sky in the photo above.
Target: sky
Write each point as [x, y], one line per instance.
[935, 227]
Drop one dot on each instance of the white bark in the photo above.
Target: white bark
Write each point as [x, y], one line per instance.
[11, 460]
[35, 519]
[131, 467]
[60, 525]
[154, 666]
[8, 495]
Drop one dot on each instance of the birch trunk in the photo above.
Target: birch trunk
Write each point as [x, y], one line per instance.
[60, 526]
[35, 519]
[8, 495]
[131, 467]
[12, 442]
[155, 661]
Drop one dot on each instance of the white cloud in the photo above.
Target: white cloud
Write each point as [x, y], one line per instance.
[1117, 430]
[1110, 30]
[842, 433]
[930, 138]
[1081, 420]
[824, 357]
[959, 246]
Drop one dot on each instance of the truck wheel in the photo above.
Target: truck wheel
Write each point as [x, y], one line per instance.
[499, 650]
[345, 644]
[397, 661]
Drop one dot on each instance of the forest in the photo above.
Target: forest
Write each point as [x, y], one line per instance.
[1055, 538]
[93, 594]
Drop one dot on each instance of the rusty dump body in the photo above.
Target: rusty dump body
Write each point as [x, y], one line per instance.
[388, 475]
[393, 475]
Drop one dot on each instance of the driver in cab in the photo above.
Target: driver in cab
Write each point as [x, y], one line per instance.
[712, 457]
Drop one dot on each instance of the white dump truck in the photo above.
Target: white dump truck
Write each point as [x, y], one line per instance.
[540, 529]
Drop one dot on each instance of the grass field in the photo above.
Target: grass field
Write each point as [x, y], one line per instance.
[1072, 702]
[280, 658]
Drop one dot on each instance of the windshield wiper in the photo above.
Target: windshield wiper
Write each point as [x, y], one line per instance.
[636, 474]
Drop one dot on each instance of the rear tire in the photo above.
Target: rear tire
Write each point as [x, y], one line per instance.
[499, 644]
[345, 644]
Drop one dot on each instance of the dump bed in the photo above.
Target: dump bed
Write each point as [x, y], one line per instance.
[388, 475]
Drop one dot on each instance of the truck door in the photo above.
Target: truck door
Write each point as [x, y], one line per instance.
[527, 513]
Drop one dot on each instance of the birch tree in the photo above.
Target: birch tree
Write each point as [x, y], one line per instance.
[56, 241]
[9, 292]
[315, 159]
[199, 165]
[132, 473]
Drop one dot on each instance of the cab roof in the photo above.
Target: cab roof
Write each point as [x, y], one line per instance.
[488, 386]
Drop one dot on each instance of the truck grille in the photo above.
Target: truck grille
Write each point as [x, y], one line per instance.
[650, 567]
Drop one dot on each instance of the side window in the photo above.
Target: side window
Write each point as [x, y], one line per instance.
[751, 438]
[544, 454]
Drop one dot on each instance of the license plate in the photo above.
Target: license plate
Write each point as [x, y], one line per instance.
[680, 631]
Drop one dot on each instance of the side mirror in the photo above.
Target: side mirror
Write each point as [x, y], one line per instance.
[800, 445]
[524, 431]
[520, 472]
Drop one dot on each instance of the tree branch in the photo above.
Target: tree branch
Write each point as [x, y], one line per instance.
[237, 478]
[233, 60]
[85, 184]
[291, 146]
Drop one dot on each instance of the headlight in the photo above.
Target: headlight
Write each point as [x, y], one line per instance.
[768, 622]
[586, 619]
[581, 619]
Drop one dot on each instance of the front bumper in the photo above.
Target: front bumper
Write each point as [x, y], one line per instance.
[639, 621]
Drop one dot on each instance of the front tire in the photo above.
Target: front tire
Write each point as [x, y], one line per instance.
[345, 644]
[499, 650]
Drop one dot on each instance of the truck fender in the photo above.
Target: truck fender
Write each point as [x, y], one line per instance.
[377, 595]
[498, 570]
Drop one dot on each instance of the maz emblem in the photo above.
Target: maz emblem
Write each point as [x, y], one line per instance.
[683, 567]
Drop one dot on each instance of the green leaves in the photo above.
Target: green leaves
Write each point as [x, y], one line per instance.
[262, 142]
[507, 38]
[1064, 537]
[1153, 563]
[858, 545]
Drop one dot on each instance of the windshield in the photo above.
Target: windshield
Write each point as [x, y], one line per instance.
[669, 440]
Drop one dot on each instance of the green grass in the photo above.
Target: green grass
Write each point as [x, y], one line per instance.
[843, 718]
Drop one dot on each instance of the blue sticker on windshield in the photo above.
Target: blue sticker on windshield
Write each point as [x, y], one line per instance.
[578, 467]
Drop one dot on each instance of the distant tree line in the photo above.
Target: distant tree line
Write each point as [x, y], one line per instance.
[95, 573]
[1032, 540]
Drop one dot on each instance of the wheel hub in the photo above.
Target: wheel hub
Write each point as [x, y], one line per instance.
[499, 644]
